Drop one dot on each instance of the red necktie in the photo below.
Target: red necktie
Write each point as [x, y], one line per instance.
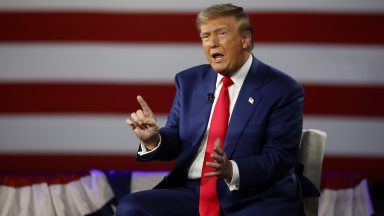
[209, 204]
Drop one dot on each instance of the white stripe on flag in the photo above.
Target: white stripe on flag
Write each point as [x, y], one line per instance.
[110, 134]
[156, 63]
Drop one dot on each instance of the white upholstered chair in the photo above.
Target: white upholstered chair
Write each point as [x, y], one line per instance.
[311, 156]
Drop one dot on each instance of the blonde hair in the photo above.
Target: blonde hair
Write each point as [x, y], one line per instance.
[243, 24]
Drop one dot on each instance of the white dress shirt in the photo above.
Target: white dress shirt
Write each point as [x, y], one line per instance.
[195, 169]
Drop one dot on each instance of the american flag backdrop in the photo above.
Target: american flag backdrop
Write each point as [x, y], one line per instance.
[70, 72]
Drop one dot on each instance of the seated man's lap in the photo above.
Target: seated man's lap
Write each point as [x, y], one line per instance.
[175, 201]
[185, 201]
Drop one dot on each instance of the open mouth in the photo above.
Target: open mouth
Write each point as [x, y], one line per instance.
[217, 57]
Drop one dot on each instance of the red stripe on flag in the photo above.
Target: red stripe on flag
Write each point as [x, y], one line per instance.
[344, 100]
[18, 98]
[275, 27]
[61, 162]
[82, 97]
[355, 166]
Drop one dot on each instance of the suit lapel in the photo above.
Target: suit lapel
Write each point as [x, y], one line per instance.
[246, 103]
[202, 106]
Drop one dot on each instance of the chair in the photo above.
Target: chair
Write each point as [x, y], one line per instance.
[311, 155]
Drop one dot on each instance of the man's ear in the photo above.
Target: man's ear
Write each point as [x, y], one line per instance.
[246, 41]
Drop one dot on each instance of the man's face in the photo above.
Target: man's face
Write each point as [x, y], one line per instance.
[224, 47]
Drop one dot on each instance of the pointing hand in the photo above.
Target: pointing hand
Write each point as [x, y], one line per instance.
[144, 124]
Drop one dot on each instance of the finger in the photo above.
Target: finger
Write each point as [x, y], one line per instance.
[210, 174]
[214, 165]
[137, 122]
[217, 143]
[217, 158]
[144, 105]
[134, 118]
[133, 123]
[217, 147]
[219, 151]
[130, 123]
[140, 115]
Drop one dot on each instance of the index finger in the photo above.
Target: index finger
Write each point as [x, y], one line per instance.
[216, 143]
[144, 105]
[217, 147]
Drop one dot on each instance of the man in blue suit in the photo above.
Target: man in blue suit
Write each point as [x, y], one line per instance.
[255, 166]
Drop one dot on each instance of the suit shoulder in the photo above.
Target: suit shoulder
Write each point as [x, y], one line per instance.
[272, 75]
[194, 72]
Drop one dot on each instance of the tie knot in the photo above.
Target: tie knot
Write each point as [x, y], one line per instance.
[227, 82]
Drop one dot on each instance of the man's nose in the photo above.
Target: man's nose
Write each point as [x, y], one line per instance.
[213, 41]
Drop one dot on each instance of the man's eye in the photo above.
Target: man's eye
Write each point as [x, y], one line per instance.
[222, 34]
[204, 37]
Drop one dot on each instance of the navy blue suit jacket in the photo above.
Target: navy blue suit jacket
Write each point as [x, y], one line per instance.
[262, 138]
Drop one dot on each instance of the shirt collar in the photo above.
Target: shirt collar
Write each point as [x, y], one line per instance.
[239, 76]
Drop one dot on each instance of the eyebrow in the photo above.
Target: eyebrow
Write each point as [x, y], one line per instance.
[219, 28]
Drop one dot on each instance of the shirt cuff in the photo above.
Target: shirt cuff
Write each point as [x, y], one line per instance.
[145, 151]
[234, 184]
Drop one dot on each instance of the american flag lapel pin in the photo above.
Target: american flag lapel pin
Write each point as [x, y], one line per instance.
[251, 100]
